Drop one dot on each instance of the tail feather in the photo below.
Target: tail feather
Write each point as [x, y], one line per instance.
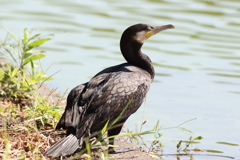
[64, 147]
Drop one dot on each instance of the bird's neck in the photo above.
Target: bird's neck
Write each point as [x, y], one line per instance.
[133, 54]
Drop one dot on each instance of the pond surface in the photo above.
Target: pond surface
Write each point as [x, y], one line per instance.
[197, 64]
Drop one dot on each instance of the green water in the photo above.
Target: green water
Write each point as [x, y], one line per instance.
[197, 64]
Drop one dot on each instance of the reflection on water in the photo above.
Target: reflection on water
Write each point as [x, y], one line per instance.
[197, 64]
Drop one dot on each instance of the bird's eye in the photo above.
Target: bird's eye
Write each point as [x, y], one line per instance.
[147, 29]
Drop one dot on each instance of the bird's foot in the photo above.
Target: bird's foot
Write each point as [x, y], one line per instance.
[111, 151]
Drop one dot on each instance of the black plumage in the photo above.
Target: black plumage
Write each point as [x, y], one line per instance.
[92, 104]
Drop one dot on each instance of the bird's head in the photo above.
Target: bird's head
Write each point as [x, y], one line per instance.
[132, 40]
[141, 32]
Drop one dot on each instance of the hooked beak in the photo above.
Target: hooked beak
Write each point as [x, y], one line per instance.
[156, 29]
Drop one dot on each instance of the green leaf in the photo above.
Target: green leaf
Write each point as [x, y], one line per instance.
[103, 131]
[44, 79]
[198, 138]
[32, 81]
[14, 72]
[156, 126]
[33, 58]
[26, 55]
[40, 75]
[13, 36]
[25, 37]
[10, 53]
[32, 68]
[179, 144]
[33, 37]
[124, 109]
[38, 42]
[88, 148]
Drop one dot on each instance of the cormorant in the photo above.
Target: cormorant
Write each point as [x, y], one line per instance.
[92, 104]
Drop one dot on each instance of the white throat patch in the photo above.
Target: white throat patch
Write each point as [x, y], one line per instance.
[140, 37]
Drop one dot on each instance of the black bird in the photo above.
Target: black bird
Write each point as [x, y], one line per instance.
[92, 104]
